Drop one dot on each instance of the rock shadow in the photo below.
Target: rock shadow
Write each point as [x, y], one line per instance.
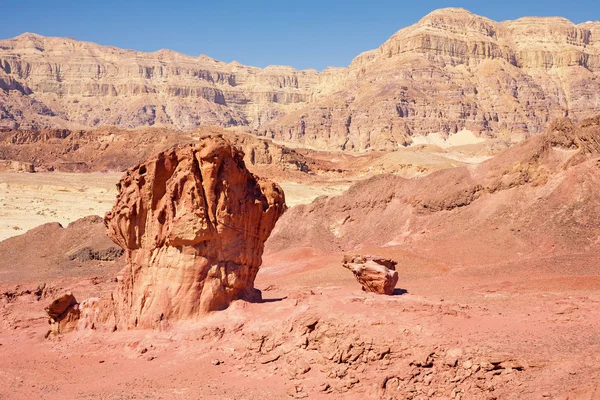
[273, 300]
[399, 292]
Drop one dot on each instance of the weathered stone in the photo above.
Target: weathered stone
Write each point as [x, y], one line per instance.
[375, 274]
[64, 315]
[193, 222]
[60, 305]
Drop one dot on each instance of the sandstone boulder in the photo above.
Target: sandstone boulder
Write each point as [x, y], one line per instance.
[193, 222]
[375, 274]
[63, 314]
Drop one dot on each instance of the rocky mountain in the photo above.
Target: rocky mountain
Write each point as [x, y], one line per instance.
[452, 70]
[455, 70]
[61, 82]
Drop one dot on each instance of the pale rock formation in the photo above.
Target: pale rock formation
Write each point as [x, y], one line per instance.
[16, 166]
[375, 274]
[61, 82]
[454, 70]
[450, 71]
[193, 222]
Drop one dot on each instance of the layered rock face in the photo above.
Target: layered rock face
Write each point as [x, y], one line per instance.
[454, 70]
[56, 82]
[193, 222]
[451, 70]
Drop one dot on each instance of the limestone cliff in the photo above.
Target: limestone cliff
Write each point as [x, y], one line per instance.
[451, 70]
[454, 70]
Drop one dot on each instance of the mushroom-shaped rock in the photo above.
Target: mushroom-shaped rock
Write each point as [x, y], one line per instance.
[193, 222]
[375, 274]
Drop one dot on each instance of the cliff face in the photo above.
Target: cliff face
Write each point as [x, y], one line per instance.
[451, 70]
[455, 70]
[80, 84]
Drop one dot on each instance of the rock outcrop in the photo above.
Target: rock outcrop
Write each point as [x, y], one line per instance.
[16, 166]
[449, 71]
[375, 274]
[192, 221]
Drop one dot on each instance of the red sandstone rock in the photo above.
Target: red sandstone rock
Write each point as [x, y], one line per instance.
[60, 305]
[64, 314]
[193, 222]
[375, 274]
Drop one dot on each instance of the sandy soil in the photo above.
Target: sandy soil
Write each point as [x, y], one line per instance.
[460, 138]
[541, 330]
[30, 200]
[299, 193]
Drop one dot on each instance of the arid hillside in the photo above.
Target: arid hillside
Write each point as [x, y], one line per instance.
[450, 71]
[537, 199]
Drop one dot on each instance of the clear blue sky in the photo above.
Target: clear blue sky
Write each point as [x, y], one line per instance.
[304, 34]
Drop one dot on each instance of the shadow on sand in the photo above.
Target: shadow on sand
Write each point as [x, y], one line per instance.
[273, 300]
[399, 292]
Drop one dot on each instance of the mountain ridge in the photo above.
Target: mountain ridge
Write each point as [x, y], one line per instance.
[451, 70]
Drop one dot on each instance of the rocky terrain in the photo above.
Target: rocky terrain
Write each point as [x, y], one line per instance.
[452, 70]
[461, 265]
[78, 249]
[496, 294]
[537, 198]
[113, 149]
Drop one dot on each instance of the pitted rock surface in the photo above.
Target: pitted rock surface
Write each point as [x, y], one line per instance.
[193, 222]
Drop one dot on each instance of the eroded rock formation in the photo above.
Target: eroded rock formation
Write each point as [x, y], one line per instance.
[193, 222]
[375, 274]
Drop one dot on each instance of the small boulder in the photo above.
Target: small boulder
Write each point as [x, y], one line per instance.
[63, 315]
[59, 306]
[375, 274]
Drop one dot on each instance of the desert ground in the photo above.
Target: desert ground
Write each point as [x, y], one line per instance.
[30, 200]
[421, 224]
[467, 320]
[505, 331]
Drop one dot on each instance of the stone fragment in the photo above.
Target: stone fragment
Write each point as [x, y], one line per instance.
[375, 274]
[60, 305]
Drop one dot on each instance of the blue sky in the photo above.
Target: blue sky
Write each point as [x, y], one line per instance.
[304, 34]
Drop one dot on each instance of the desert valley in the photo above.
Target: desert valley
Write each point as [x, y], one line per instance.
[422, 224]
